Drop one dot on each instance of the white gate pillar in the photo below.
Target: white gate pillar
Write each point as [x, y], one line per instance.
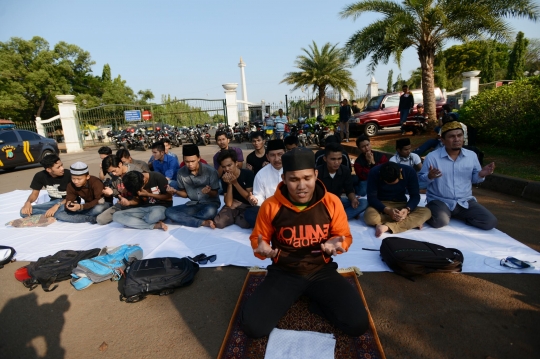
[373, 88]
[70, 124]
[40, 128]
[232, 106]
[472, 82]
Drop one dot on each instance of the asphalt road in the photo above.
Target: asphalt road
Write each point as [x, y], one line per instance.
[437, 316]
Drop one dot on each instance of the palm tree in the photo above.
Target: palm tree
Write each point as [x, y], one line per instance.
[425, 25]
[322, 68]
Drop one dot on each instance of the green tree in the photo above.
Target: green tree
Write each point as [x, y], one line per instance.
[389, 81]
[145, 96]
[106, 76]
[532, 56]
[516, 62]
[415, 81]
[440, 74]
[425, 25]
[322, 68]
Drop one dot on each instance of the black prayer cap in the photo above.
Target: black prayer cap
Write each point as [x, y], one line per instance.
[274, 145]
[300, 158]
[191, 150]
[402, 142]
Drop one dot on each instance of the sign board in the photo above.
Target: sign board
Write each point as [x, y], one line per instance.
[147, 115]
[132, 115]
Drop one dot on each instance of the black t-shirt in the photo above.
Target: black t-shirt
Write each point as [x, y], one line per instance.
[157, 184]
[256, 162]
[245, 179]
[55, 186]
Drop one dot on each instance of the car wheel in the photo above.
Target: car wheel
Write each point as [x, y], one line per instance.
[46, 153]
[371, 129]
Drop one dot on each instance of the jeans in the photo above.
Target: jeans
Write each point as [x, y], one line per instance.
[42, 208]
[192, 215]
[403, 117]
[426, 146]
[250, 215]
[354, 212]
[86, 215]
[140, 217]
[360, 188]
[344, 129]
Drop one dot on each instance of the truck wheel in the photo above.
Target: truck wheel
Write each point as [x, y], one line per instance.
[371, 129]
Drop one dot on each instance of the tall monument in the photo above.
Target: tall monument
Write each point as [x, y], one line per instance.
[244, 115]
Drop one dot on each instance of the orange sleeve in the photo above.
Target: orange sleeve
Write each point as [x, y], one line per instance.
[263, 225]
[339, 225]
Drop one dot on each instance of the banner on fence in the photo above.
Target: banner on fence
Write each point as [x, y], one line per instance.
[132, 115]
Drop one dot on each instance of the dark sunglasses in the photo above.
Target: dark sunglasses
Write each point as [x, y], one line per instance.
[515, 263]
[204, 259]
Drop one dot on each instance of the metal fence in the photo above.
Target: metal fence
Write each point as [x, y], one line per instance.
[96, 122]
[53, 129]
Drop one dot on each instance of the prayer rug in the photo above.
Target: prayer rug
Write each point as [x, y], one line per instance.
[37, 220]
[237, 345]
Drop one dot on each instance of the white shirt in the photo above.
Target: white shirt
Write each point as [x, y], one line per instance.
[266, 182]
[412, 160]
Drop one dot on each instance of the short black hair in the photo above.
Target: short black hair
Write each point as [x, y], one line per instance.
[133, 182]
[220, 133]
[166, 140]
[256, 134]
[291, 140]
[160, 146]
[360, 139]
[110, 161]
[390, 171]
[49, 161]
[224, 154]
[332, 147]
[105, 150]
[123, 153]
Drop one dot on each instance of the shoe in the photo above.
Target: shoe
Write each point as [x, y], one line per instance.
[347, 140]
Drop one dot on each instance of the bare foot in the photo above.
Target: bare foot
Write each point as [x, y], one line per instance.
[380, 229]
[209, 223]
[161, 225]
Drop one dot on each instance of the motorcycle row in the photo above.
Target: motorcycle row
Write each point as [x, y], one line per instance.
[142, 138]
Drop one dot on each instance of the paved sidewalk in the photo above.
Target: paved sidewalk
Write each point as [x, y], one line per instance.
[437, 316]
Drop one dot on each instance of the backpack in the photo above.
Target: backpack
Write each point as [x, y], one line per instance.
[6, 255]
[157, 276]
[109, 264]
[56, 268]
[408, 257]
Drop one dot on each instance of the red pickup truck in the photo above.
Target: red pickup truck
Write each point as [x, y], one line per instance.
[381, 111]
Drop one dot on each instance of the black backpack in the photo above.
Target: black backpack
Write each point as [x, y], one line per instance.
[9, 257]
[157, 276]
[408, 257]
[56, 268]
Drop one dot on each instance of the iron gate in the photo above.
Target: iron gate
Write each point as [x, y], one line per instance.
[96, 122]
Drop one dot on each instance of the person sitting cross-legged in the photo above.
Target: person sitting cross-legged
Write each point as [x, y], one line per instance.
[199, 183]
[404, 156]
[389, 210]
[124, 156]
[86, 187]
[237, 184]
[337, 179]
[165, 163]
[450, 172]
[144, 201]
[55, 179]
[115, 189]
[300, 228]
[366, 160]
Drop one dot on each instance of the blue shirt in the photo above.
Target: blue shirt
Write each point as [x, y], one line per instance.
[455, 184]
[168, 167]
[378, 190]
[280, 123]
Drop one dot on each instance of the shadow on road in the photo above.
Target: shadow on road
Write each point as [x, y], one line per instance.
[37, 334]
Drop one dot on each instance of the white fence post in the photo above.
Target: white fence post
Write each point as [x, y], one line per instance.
[232, 106]
[39, 127]
[70, 124]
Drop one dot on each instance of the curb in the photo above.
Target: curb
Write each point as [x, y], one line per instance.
[528, 190]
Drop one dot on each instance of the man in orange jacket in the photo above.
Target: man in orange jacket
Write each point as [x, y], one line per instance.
[300, 228]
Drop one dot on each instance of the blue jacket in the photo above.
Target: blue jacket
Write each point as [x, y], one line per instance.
[169, 167]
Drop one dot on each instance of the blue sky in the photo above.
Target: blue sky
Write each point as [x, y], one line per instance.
[189, 48]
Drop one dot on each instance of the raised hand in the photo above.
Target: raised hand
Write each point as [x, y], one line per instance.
[206, 189]
[252, 199]
[434, 172]
[369, 157]
[333, 246]
[487, 170]
[264, 249]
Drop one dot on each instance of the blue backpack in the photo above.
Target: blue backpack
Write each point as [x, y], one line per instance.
[109, 264]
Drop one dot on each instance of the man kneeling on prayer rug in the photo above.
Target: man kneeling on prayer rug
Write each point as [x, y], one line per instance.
[300, 228]
[389, 210]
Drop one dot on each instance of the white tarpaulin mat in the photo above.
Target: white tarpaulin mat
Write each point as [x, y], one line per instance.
[482, 249]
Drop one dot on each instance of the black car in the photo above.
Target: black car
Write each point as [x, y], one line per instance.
[21, 148]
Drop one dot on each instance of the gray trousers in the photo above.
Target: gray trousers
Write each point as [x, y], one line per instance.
[476, 215]
[106, 217]
[228, 216]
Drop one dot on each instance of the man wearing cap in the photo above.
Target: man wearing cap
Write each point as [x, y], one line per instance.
[450, 172]
[199, 183]
[85, 187]
[300, 228]
[389, 210]
[266, 179]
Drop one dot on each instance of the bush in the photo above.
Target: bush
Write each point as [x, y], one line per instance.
[329, 120]
[508, 115]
